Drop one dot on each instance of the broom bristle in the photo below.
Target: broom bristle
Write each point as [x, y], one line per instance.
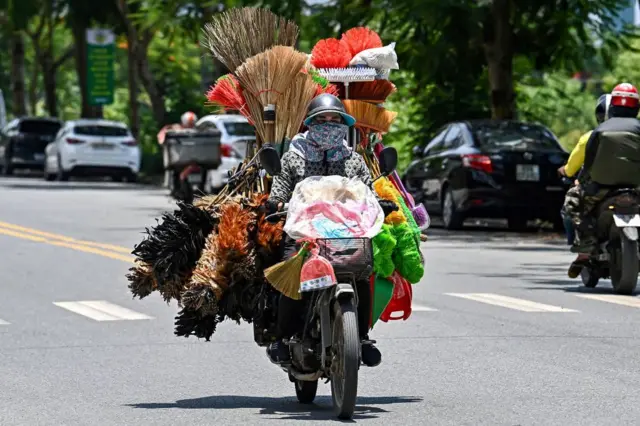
[237, 34]
[293, 106]
[359, 39]
[370, 116]
[331, 89]
[227, 94]
[330, 53]
[376, 91]
[285, 277]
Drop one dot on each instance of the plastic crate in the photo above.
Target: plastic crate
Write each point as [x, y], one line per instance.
[184, 147]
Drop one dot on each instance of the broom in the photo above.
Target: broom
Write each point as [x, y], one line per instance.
[265, 77]
[237, 34]
[369, 116]
[227, 94]
[285, 276]
[330, 53]
[359, 39]
[294, 104]
[375, 92]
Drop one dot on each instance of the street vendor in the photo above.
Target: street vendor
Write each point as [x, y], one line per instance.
[320, 151]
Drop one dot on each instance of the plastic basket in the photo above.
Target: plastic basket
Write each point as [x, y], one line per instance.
[185, 147]
[351, 257]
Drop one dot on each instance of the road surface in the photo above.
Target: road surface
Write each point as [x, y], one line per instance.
[499, 335]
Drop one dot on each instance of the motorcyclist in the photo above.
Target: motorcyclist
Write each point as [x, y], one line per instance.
[320, 151]
[575, 162]
[187, 121]
[621, 122]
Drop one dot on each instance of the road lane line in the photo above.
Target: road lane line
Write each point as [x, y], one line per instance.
[631, 301]
[78, 247]
[100, 310]
[510, 302]
[37, 232]
[4, 322]
[421, 308]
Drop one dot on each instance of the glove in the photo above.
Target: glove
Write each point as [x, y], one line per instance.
[388, 207]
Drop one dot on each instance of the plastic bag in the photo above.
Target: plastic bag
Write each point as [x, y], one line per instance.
[333, 207]
[317, 273]
[382, 58]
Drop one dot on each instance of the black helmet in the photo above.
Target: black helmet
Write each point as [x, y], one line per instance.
[602, 108]
[328, 103]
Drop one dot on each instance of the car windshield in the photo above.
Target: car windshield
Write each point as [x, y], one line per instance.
[516, 137]
[100, 130]
[239, 129]
[40, 127]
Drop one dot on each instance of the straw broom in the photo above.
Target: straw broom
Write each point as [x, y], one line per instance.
[369, 116]
[285, 276]
[237, 34]
[266, 76]
[294, 104]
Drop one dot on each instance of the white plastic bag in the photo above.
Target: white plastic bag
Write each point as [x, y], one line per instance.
[333, 207]
[380, 58]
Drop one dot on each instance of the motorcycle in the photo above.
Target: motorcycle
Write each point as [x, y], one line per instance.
[617, 223]
[329, 346]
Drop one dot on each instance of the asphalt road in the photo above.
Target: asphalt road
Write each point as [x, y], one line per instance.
[499, 335]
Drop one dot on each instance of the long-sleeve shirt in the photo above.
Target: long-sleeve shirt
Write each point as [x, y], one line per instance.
[295, 169]
[576, 158]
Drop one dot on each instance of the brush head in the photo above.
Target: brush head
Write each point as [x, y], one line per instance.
[348, 75]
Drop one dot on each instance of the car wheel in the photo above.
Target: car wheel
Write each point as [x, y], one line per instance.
[7, 170]
[131, 178]
[450, 216]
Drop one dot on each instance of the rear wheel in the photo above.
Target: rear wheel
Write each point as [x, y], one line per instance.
[306, 391]
[624, 266]
[61, 175]
[7, 169]
[450, 216]
[346, 360]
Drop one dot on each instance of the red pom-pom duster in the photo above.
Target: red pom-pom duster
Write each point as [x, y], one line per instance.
[330, 53]
[359, 39]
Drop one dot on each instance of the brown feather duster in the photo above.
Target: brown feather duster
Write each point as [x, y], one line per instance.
[142, 282]
[204, 272]
[233, 230]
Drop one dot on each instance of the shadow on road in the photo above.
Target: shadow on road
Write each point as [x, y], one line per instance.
[284, 408]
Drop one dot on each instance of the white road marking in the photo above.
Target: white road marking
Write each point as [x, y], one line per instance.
[510, 302]
[634, 302]
[4, 322]
[420, 308]
[100, 310]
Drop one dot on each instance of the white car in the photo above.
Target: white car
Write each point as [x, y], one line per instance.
[236, 134]
[93, 147]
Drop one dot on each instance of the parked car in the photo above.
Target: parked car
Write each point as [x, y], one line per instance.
[93, 147]
[237, 133]
[23, 142]
[490, 169]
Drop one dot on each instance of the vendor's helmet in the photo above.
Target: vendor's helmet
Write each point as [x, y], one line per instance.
[326, 103]
[602, 108]
[188, 119]
[625, 101]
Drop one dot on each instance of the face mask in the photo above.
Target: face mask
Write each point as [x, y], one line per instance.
[328, 135]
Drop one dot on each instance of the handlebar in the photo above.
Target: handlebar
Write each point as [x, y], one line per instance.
[277, 216]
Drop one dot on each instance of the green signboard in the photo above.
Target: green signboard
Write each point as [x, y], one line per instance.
[100, 66]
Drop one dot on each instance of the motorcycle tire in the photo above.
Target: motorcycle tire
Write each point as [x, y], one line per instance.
[624, 266]
[346, 353]
[590, 277]
[306, 391]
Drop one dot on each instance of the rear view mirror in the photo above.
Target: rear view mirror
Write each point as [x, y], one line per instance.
[388, 160]
[270, 160]
[417, 151]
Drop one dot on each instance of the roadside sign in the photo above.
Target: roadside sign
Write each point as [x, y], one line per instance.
[100, 66]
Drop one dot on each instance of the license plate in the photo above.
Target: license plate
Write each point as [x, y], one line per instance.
[194, 178]
[528, 172]
[102, 146]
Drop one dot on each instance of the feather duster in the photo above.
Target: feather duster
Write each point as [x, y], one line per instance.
[141, 280]
[189, 322]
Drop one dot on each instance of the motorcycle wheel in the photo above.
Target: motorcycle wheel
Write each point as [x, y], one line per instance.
[306, 391]
[590, 277]
[346, 360]
[624, 266]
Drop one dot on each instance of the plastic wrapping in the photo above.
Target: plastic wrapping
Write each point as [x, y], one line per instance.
[317, 273]
[333, 207]
[382, 58]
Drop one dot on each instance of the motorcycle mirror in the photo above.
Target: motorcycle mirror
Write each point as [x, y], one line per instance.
[270, 160]
[388, 160]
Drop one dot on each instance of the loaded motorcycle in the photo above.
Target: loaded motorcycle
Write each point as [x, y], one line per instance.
[617, 223]
[329, 346]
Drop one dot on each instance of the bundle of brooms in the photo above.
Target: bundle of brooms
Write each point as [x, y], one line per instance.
[209, 256]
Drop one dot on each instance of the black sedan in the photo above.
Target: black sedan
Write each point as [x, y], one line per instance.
[490, 169]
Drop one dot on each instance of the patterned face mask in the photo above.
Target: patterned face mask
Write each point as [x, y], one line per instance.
[327, 136]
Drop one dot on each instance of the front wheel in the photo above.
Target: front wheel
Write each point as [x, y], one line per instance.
[590, 277]
[346, 360]
[306, 391]
[624, 266]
